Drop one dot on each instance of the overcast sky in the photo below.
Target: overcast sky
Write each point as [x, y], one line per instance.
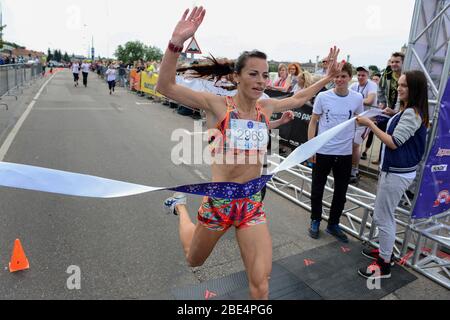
[288, 30]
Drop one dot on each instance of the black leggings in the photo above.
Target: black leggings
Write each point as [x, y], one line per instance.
[85, 78]
[112, 84]
[76, 77]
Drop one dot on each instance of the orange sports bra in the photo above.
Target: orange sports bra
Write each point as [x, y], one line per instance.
[220, 140]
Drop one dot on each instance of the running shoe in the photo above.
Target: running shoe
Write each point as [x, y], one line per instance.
[336, 232]
[354, 180]
[315, 229]
[374, 254]
[171, 203]
[377, 270]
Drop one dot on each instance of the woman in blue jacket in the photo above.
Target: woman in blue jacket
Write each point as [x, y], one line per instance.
[402, 151]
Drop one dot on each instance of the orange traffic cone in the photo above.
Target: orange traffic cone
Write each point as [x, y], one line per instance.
[19, 260]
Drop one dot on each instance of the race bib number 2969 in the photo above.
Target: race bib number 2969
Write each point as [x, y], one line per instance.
[248, 135]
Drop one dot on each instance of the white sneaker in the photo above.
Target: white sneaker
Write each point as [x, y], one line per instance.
[175, 200]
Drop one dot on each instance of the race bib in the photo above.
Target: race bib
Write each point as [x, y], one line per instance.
[247, 135]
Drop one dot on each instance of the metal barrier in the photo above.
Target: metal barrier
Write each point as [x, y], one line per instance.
[417, 245]
[15, 77]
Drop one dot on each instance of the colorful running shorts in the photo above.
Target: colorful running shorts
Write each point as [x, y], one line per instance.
[222, 214]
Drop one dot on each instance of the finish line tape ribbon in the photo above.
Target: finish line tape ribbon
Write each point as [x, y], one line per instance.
[79, 185]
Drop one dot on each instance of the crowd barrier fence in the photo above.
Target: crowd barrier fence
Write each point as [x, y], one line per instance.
[15, 77]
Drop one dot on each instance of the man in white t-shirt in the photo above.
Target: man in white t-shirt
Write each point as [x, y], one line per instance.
[369, 91]
[332, 108]
[85, 69]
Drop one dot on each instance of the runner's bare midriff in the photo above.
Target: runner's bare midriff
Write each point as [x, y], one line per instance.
[236, 173]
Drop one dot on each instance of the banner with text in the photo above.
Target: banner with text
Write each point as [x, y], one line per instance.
[434, 194]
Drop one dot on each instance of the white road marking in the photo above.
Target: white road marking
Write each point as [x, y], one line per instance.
[9, 140]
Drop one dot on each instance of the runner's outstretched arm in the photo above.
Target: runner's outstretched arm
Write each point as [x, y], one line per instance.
[298, 100]
[167, 86]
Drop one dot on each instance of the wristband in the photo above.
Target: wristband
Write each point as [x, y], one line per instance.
[174, 48]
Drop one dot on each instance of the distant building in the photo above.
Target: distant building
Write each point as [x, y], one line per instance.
[77, 58]
[21, 52]
[7, 48]
[309, 66]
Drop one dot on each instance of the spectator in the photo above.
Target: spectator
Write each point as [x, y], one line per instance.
[387, 90]
[294, 70]
[282, 83]
[332, 108]
[122, 73]
[322, 72]
[2, 60]
[403, 148]
[304, 80]
[324, 66]
[44, 66]
[376, 78]
[368, 89]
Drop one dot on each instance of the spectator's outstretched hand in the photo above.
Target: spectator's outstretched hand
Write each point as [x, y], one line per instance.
[287, 117]
[188, 25]
[334, 67]
[364, 122]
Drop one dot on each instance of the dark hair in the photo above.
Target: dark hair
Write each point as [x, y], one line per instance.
[376, 75]
[348, 68]
[399, 55]
[216, 69]
[242, 60]
[418, 94]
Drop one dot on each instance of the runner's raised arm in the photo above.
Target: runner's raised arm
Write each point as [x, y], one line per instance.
[298, 100]
[167, 86]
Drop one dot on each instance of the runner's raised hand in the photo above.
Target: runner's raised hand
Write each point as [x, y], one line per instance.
[334, 68]
[188, 25]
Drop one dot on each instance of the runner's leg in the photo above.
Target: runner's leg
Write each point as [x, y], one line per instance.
[256, 251]
[198, 242]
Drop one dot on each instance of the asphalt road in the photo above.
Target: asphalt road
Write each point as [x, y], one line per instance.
[125, 248]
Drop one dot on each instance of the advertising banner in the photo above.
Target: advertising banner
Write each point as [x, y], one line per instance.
[434, 194]
[295, 133]
[148, 83]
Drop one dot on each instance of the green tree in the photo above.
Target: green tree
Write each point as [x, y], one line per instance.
[57, 56]
[131, 52]
[49, 55]
[66, 57]
[273, 67]
[1, 35]
[153, 54]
